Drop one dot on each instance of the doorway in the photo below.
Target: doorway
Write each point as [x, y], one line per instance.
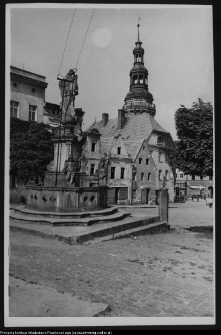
[145, 196]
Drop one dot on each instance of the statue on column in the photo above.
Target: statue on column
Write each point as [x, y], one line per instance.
[69, 89]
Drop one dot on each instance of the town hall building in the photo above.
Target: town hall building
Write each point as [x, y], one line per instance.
[136, 147]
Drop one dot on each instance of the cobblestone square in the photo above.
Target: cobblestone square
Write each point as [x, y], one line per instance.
[163, 274]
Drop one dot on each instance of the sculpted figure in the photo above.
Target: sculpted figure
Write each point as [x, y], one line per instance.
[69, 89]
[71, 166]
[101, 172]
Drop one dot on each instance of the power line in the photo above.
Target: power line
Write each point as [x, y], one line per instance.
[67, 40]
[85, 38]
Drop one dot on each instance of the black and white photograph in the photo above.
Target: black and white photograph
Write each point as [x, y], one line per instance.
[109, 165]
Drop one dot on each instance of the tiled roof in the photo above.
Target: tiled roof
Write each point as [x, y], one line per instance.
[136, 128]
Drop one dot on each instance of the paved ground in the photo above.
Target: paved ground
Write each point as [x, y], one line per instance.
[165, 274]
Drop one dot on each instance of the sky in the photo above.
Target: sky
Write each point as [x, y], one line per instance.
[178, 44]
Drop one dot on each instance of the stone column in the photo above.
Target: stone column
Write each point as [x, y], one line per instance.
[163, 204]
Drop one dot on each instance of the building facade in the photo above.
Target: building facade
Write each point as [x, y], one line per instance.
[27, 102]
[188, 186]
[137, 147]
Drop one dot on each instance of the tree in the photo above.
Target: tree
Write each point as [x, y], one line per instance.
[31, 149]
[194, 151]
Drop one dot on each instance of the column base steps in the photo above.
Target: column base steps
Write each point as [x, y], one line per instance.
[82, 234]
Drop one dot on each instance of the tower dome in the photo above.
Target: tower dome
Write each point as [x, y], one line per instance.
[139, 98]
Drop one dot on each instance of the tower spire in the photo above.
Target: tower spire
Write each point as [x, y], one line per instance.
[139, 99]
[138, 25]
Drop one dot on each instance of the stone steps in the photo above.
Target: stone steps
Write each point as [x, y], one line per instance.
[60, 215]
[79, 234]
[19, 215]
[139, 231]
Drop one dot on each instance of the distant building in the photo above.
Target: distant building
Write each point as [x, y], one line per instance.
[187, 185]
[138, 148]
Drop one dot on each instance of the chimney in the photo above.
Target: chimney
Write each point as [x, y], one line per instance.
[105, 117]
[121, 118]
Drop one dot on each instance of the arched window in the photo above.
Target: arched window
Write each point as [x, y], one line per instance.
[146, 79]
[141, 79]
[135, 79]
[138, 56]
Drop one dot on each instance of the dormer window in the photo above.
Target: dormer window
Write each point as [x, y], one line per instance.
[93, 146]
[159, 140]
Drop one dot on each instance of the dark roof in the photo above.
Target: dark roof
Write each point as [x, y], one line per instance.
[136, 128]
[139, 93]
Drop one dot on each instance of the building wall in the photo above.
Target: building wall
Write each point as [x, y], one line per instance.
[160, 155]
[24, 101]
[28, 89]
[118, 182]
[144, 168]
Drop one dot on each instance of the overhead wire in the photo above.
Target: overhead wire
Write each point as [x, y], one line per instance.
[67, 40]
[85, 38]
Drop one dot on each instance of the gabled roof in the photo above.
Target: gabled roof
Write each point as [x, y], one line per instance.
[136, 128]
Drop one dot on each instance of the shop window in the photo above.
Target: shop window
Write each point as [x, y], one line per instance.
[32, 113]
[113, 172]
[92, 170]
[122, 173]
[93, 147]
[14, 109]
